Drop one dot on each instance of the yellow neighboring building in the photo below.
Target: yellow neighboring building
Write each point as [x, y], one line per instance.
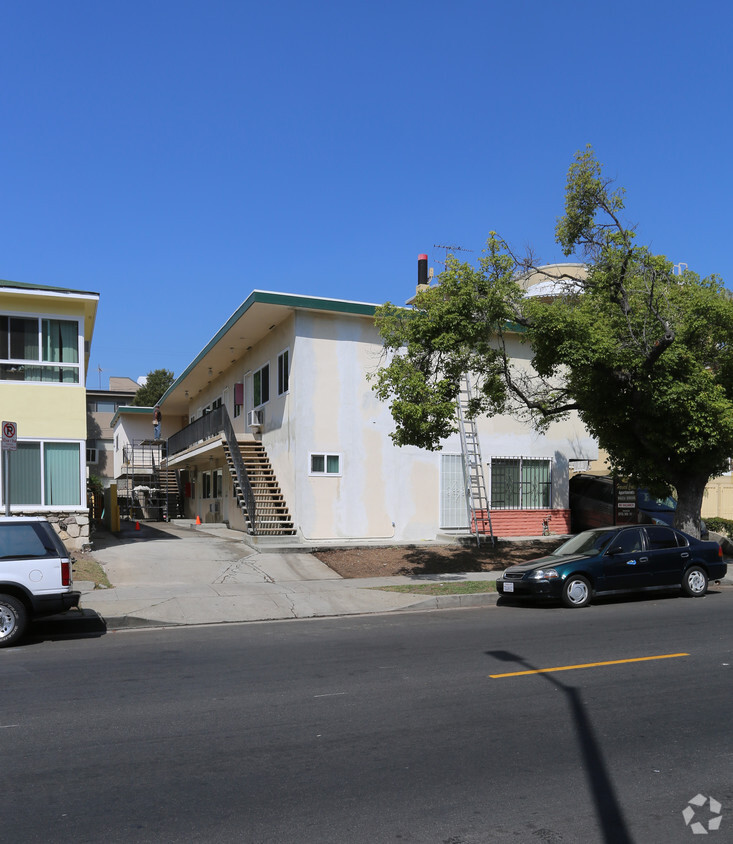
[45, 338]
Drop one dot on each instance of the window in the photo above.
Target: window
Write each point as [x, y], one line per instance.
[325, 464]
[629, 541]
[520, 483]
[39, 349]
[212, 483]
[105, 406]
[238, 399]
[261, 385]
[660, 538]
[45, 473]
[27, 540]
[283, 372]
[91, 455]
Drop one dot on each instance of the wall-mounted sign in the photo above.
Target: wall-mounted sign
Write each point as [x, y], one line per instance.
[10, 436]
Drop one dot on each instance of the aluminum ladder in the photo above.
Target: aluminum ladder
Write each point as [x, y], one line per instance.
[473, 468]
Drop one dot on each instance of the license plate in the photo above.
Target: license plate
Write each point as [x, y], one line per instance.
[508, 587]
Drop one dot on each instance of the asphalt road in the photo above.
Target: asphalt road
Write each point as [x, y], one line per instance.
[384, 728]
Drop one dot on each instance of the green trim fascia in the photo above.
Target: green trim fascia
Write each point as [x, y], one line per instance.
[289, 300]
[285, 300]
[24, 285]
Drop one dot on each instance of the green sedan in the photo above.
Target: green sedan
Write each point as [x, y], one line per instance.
[615, 560]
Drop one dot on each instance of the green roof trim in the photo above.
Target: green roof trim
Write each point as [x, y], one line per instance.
[24, 285]
[285, 300]
[310, 302]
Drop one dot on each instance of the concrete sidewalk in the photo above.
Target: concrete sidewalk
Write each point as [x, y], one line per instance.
[175, 575]
[167, 574]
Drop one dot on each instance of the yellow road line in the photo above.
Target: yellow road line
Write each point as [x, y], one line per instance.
[586, 665]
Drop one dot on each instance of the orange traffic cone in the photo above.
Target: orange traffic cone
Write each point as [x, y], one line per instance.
[198, 520]
[137, 525]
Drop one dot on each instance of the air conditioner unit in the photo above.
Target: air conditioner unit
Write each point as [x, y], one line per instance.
[256, 419]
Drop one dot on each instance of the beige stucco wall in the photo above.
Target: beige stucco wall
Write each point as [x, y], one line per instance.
[39, 303]
[41, 409]
[718, 498]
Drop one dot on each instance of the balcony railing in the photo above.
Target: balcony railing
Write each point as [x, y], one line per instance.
[201, 429]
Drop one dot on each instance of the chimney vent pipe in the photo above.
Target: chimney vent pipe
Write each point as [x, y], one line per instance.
[422, 269]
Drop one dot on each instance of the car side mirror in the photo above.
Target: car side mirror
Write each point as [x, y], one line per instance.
[617, 549]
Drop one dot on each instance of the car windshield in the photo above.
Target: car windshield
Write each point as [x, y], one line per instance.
[648, 502]
[589, 542]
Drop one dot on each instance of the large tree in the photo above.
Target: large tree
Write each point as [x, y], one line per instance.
[644, 355]
[156, 383]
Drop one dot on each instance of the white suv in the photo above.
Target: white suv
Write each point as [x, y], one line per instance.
[35, 575]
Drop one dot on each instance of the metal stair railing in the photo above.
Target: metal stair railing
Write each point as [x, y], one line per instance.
[473, 468]
[240, 470]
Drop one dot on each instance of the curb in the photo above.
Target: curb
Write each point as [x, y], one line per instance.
[446, 602]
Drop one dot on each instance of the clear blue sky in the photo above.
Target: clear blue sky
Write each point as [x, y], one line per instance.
[174, 156]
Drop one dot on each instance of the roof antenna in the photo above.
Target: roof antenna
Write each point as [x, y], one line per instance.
[449, 249]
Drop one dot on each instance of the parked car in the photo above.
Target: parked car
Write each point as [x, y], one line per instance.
[614, 560]
[35, 575]
[592, 505]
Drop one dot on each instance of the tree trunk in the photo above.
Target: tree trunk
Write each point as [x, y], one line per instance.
[690, 491]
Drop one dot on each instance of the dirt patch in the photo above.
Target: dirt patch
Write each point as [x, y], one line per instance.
[433, 559]
[86, 568]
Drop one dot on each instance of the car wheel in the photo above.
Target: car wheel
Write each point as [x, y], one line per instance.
[695, 582]
[576, 592]
[13, 620]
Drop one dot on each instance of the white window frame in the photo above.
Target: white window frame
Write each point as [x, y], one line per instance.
[44, 363]
[325, 473]
[51, 508]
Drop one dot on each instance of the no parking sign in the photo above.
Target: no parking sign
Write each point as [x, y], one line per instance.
[10, 436]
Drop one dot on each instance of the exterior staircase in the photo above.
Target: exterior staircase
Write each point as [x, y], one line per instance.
[272, 517]
[167, 481]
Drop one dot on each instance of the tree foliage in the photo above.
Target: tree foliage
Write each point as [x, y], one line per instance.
[644, 355]
[156, 384]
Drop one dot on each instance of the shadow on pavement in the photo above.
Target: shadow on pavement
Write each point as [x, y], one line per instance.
[608, 809]
[85, 624]
[130, 532]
